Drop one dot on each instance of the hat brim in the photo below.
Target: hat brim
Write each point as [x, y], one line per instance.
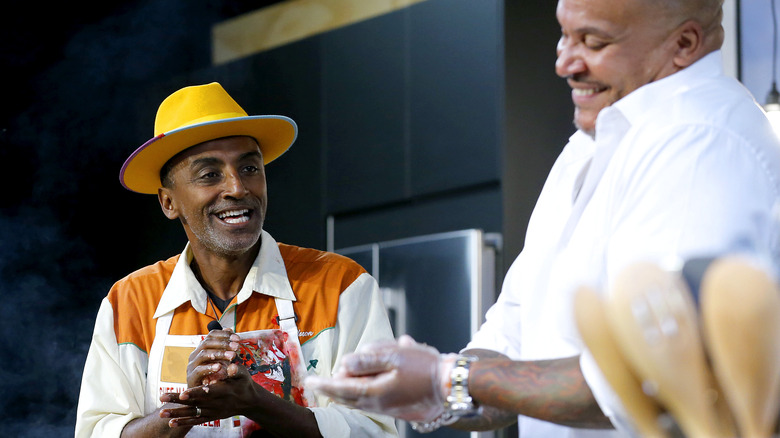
[141, 171]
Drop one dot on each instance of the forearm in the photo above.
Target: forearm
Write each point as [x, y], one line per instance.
[152, 426]
[490, 418]
[550, 390]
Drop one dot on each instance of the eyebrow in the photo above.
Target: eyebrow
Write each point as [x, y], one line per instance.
[204, 161]
[249, 155]
[591, 30]
[208, 161]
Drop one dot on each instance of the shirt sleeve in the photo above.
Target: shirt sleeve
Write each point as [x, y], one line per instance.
[494, 333]
[362, 319]
[698, 191]
[110, 396]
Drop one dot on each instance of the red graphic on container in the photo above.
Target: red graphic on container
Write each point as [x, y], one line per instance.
[274, 363]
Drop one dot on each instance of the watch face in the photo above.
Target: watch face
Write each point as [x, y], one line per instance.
[459, 402]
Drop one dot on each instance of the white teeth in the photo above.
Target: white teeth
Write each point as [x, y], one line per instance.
[584, 91]
[234, 216]
[237, 220]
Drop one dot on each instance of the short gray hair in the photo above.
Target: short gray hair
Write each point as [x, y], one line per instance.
[707, 12]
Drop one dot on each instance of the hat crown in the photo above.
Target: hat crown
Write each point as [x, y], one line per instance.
[197, 114]
[195, 104]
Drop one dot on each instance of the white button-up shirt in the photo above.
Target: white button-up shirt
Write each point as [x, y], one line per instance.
[682, 167]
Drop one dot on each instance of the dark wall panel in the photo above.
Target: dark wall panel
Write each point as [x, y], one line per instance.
[413, 118]
[363, 113]
[456, 88]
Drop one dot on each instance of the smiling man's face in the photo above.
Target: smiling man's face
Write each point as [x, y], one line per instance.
[609, 48]
[218, 192]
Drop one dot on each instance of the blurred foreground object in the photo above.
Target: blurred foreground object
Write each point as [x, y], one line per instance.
[740, 310]
[716, 370]
[655, 322]
[593, 326]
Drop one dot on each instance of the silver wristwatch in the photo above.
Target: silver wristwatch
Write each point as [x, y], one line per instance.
[458, 403]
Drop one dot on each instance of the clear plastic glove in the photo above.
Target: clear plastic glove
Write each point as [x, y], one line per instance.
[403, 379]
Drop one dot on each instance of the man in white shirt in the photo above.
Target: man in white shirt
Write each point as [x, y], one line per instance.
[671, 159]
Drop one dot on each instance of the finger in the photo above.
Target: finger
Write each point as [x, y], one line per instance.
[224, 354]
[210, 346]
[379, 356]
[220, 331]
[369, 362]
[220, 340]
[170, 397]
[372, 394]
[182, 412]
[189, 421]
[223, 333]
[207, 374]
[208, 366]
[200, 395]
[345, 389]
[406, 341]
[184, 398]
[235, 370]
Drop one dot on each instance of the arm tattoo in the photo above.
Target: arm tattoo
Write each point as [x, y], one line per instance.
[550, 390]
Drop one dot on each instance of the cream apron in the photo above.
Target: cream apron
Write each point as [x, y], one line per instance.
[170, 351]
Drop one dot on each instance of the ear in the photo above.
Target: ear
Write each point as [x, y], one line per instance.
[167, 203]
[689, 44]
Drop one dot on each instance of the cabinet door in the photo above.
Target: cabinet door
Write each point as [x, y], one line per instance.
[363, 113]
[456, 83]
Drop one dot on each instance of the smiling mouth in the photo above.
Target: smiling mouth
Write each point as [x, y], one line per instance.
[234, 216]
[587, 91]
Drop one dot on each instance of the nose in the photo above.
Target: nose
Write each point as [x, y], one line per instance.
[569, 61]
[234, 186]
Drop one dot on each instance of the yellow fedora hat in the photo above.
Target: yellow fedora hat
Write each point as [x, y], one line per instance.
[193, 115]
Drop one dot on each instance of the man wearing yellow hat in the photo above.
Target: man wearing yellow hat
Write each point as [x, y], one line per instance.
[217, 340]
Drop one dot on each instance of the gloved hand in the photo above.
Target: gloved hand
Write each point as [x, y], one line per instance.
[402, 379]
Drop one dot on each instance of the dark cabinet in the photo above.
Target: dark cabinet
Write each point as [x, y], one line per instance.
[455, 86]
[364, 116]
[412, 103]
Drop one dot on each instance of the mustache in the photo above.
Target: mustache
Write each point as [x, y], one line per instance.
[584, 82]
[582, 78]
[224, 206]
[577, 77]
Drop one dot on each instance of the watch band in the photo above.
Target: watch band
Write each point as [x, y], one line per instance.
[458, 403]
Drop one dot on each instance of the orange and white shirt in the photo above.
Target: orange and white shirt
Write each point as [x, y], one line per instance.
[141, 342]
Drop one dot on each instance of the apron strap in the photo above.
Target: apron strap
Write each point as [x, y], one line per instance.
[287, 318]
[152, 399]
[287, 322]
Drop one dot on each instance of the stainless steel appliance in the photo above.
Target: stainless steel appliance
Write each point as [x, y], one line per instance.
[436, 288]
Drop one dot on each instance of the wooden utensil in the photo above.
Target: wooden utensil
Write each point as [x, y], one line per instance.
[740, 310]
[592, 323]
[655, 324]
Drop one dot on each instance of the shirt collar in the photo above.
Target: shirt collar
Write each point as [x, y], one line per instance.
[581, 144]
[267, 276]
[635, 104]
